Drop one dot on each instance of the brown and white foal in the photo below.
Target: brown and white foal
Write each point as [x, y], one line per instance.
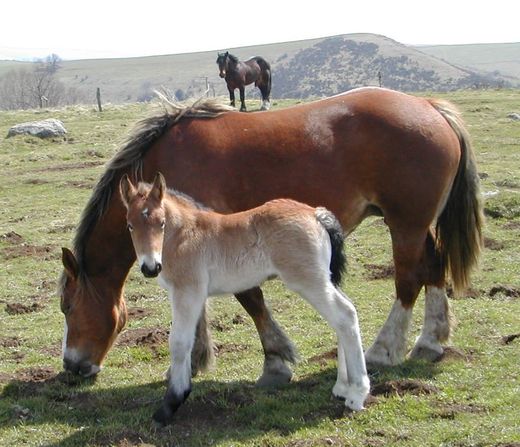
[198, 253]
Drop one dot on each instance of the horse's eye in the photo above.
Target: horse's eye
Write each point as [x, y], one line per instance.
[163, 224]
[130, 227]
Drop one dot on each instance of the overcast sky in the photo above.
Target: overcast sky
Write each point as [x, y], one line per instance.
[113, 28]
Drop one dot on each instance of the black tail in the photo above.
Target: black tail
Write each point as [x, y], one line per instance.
[338, 260]
[266, 76]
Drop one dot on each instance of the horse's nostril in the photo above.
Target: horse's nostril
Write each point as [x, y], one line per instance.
[158, 267]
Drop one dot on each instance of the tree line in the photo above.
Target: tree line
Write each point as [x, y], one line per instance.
[36, 86]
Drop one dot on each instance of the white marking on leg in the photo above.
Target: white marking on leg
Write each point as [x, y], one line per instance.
[436, 327]
[389, 348]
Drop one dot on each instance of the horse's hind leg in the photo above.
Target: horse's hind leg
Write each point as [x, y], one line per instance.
[278, 349]
[390, 348]
[264, 90]
[437, 316]
[352, 383]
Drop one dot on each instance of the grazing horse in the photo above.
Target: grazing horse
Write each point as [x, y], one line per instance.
[238, 74]
[367, 152]
[199, 253]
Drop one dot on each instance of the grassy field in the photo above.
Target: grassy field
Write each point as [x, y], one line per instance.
[469, 398]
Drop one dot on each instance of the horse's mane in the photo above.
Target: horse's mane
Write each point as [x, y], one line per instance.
[233, 58]
[130, 155]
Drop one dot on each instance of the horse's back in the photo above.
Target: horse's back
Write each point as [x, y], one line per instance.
[353, 153]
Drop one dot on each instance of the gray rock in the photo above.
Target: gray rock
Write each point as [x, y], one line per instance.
[514, 116]
[43, 129]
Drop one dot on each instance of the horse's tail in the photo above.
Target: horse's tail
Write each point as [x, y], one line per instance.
[338, 260]
[266, 74]
[459, 227]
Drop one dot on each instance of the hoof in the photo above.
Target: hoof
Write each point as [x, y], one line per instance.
[428, 353]
[353, 395]
[171, 403]
[272, 380]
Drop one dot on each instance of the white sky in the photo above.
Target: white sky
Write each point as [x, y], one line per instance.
[113, 28]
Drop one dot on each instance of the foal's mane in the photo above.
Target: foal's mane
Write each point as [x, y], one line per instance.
[130, 155]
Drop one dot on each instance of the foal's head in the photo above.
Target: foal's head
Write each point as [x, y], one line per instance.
[146, 221]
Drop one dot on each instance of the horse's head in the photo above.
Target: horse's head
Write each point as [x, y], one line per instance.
[222, 62]
[91, 323]
[146, 221]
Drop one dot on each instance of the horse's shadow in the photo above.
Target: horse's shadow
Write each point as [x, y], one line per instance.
[214, 411]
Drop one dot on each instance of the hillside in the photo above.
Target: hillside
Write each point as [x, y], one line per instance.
[301, 69]
[500, 59]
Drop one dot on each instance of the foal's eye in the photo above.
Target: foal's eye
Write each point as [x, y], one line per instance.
[130, 227]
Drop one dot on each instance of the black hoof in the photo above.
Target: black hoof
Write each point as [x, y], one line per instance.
[171, 403]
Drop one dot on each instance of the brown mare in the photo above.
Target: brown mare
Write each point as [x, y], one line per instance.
[196, 253]
[238, 74]
[368, 152]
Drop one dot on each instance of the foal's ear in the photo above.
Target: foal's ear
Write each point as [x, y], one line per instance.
[159, 186]
[69, 263]
[126, 190]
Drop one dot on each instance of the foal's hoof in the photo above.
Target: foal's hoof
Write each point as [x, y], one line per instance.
[163, 415]
[276, 373]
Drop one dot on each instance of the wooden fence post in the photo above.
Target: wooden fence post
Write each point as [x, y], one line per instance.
[98, 96]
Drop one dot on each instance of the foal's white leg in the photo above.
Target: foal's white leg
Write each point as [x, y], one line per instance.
[352, 383]
[437, 325]
[389, 348]
[186, 308]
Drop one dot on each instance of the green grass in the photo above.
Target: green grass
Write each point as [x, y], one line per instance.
[43, 189]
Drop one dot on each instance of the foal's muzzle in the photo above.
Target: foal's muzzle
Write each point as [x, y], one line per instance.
[84, 369]
[151, 272]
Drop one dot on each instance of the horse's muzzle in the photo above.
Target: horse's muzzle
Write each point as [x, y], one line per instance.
[151, 273]
[222, 74]
[84, 369]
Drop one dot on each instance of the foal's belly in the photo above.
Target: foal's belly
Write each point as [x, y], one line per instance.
[238, 279]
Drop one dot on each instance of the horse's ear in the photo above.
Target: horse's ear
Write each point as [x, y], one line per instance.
[159, 186]
[227, 53]
[69, 263]
[126, 190]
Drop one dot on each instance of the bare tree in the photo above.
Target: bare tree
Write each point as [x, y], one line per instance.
[36, 87]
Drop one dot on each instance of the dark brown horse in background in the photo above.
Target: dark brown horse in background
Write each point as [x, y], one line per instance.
[238, 74]
[367, 152]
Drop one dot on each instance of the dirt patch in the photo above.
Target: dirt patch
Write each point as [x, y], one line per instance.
[507, 339]
[402, 387]
[451, 353]
[229, 347]
[35, 374]
[45, 252]
[36, 181]
[512, 226]
[493, 244]
[449, 411]
[324, 358]
[151, 338]
[10, 342]
[19, 308]
[507, 291]
[54, 350]
[139, 313]
[12, 238]
[79, 184]
[375, 271]
[62, 229]
[70, 166]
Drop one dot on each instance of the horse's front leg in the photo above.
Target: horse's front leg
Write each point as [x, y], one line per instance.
[231, 97]
[242, 99]
[186, 308]
[278, 349]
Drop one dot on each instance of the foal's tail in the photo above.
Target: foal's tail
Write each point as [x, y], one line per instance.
[338, 260]
[459, 227]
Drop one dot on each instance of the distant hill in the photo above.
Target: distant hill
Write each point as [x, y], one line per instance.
[502, 59]
[301, 69]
